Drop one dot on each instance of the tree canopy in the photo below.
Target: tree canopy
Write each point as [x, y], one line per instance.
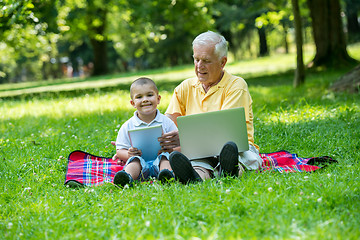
[43, 39]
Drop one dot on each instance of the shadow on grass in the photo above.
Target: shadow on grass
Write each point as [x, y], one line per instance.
[56, 82]
[279, 79]
[162, 85]
[314, 78]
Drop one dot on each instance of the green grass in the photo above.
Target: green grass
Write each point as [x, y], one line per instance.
[37, 132]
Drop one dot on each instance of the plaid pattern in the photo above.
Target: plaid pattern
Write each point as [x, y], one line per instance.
[91, 170]
[283, 161]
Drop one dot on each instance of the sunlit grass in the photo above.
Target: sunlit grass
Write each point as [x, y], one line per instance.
[83, 105]
[311, 113]
[354, 50]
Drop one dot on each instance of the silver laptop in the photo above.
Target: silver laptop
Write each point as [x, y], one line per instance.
[204, 134]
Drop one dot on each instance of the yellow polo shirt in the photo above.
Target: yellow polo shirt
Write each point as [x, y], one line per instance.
[190, 98]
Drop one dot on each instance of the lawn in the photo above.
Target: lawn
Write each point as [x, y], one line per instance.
[39, 129]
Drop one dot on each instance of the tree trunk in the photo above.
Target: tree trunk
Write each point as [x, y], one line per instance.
[353, 26]
[96, 18]
[286, 43]
[349, 82]
[328, 34]
[100, 57]
[299, 78]
[263, 42]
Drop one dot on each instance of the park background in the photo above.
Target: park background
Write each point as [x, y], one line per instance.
[45, 40]
[66, 67]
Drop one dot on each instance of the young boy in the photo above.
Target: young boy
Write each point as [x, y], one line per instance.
[145, 98]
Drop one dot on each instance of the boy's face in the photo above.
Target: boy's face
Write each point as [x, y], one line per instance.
[145, 99]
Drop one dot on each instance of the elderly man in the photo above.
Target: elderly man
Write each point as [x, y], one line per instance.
[212, 89]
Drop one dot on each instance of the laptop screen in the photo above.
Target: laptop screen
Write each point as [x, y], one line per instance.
[204, 134]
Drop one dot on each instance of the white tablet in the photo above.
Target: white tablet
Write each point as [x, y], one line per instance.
[146, 139]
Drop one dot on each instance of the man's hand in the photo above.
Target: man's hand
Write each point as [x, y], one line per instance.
[169, 141]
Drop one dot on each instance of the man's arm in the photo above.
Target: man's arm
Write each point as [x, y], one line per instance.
[173, 117]
[242, 98]
[170, 141]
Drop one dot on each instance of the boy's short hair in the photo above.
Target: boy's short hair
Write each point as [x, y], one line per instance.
[143, 81]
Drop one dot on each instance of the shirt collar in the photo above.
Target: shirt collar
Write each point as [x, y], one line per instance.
[138, 122]
[220, 84]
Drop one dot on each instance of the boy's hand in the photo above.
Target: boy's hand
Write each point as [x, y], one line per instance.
[134, 152]
[118, 160]
[121, 162]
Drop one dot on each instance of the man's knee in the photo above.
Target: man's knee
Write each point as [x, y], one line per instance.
[203, 173]
[241, 170]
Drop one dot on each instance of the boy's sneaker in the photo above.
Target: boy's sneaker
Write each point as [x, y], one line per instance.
[229, 160]
[182, 168]
[122, 178]
[74, 184]
[165, 175]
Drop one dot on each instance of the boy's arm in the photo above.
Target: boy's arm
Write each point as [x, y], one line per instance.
[121, 156]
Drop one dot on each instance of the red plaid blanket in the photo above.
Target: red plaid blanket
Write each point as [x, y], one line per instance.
[91, 170]
[284, 161]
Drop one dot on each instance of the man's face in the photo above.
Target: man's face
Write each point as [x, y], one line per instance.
[208, 66]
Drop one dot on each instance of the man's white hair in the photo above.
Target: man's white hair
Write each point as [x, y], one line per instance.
[210, 37]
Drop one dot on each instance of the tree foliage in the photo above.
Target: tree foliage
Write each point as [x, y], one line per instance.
[163, 30]
[28, 39]
[43, 39]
